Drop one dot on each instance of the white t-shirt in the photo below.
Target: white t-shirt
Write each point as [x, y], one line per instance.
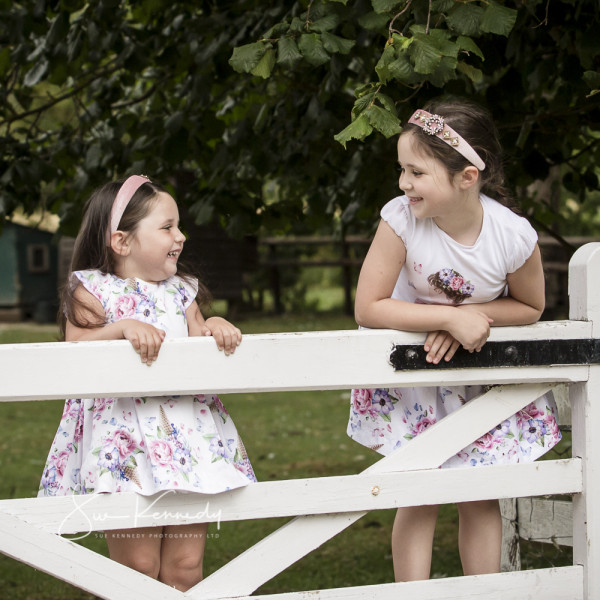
[439, 270]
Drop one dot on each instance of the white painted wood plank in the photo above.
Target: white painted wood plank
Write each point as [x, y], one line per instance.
[584, 286]
[586, 506]
[562, 583]
[329, 360]
[584, 299]
[77, 565]
[322, 495]
[302, 535]
[545, 520]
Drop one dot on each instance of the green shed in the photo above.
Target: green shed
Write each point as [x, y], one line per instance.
[28, 274]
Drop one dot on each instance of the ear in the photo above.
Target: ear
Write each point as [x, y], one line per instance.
[119, 242]
[468, 177]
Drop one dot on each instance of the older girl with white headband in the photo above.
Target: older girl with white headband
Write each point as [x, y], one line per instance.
[450, 259]
[127, 283]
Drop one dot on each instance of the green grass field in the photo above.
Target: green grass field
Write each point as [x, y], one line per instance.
[288, 435]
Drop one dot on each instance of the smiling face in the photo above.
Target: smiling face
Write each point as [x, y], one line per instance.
[425, 180]
[152, 250]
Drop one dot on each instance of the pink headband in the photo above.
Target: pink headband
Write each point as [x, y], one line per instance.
[125, 194]
[434, 125]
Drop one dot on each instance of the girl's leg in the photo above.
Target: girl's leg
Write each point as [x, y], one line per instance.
[480, 536]
[138, 549]
[182, 554]
[412, 542]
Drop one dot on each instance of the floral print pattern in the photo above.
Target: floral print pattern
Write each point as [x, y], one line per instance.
[387, 419]
[145, 445]
[452, 284]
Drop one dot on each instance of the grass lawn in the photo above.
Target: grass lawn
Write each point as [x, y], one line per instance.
[288, 435]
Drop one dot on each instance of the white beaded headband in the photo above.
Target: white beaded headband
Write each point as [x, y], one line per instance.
[124, 195]
[434, 125]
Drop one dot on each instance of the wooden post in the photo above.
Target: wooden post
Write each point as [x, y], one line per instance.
[584, 300]
[511, 550]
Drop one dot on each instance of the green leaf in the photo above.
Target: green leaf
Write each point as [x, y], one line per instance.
[498, 19]
[386, 102]
[382, 67]
[402, 69]
[336, 44]
[425, 54]
[383, 120]
[362, 103]
[58, 29]
[265, 65]
[466, 44]
[245, 58]
[442, 5]
[288, 54]
[311, 46]
[359, 129]
[380, 6]
[474, 74]
[465, 19]
[297, 25]
[373, 21]
[445, 72]
[326, 23]
[35, 74]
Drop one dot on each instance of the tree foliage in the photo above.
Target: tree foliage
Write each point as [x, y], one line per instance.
[280, 115]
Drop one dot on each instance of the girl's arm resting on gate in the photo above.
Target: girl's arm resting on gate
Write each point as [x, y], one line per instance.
[523, 305]
[526, 297]
[145, 338]
[375, 308]
[227, 336]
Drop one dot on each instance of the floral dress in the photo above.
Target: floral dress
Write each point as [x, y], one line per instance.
[439, 270]
[145, 444]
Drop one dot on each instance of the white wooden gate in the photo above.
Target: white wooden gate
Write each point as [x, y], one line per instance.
[322, 507]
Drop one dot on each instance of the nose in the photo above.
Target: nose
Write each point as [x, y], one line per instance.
[403, 181]
[180, 236]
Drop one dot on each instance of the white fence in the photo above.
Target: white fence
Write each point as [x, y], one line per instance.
[322, 507]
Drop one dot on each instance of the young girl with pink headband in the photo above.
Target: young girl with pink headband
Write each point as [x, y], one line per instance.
[127, 282]
[450, 259]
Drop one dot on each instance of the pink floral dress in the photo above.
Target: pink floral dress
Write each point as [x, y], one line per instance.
[145, 445]
[439, 270]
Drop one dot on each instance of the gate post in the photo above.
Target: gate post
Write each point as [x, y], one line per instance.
[584, 302]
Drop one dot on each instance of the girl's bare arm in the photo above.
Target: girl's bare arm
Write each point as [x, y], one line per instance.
[375, 308]
[145, 338]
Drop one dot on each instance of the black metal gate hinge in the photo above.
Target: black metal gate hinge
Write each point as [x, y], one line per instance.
[523, 353]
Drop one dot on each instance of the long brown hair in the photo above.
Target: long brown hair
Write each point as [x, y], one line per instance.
[474, 123]
[91, 252]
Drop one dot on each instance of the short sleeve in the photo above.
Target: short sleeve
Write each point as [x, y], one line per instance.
[187, 288]
[397, 215]
[93, 281]
[524, 243]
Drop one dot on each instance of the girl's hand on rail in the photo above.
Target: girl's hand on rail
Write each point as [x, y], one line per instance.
[471, 327]
[438, 345]
[145, 338]
[227, 335]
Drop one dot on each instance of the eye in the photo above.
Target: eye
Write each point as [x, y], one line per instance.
[399, 168]
[416, 173]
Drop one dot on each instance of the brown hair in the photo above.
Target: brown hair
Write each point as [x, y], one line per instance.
[474, 123]
[91, 252]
